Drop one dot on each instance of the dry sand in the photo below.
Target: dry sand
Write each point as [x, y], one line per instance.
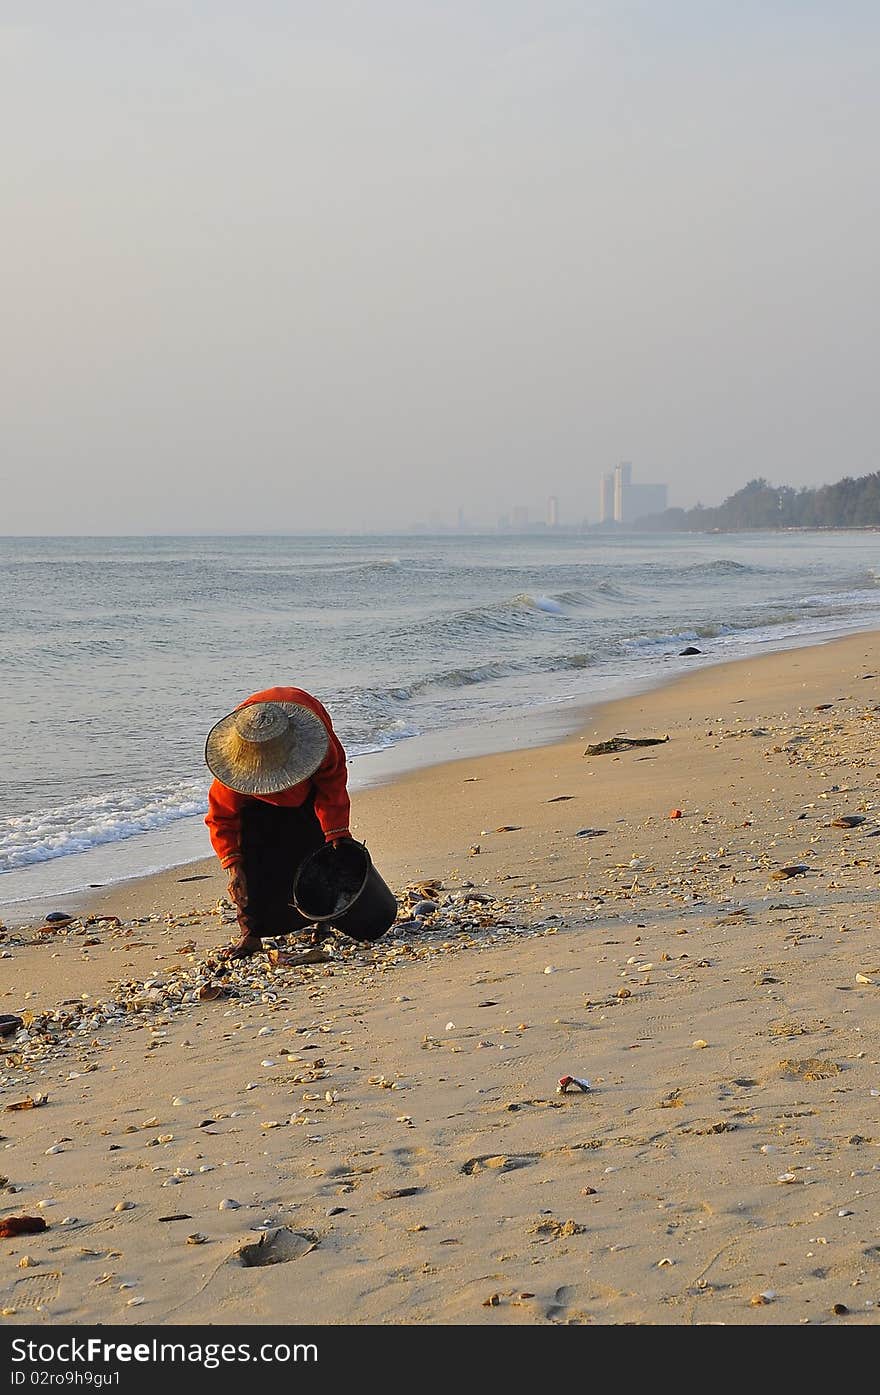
[390, 1122]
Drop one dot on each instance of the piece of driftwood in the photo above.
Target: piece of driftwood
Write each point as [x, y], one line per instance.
[623, 743]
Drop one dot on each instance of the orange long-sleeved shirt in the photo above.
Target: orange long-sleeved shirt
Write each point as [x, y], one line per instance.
[329, 783]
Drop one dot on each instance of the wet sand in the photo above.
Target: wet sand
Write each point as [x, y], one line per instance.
[390, 1121]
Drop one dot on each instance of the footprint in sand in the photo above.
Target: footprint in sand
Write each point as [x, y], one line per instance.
[560, 1304]
[662, 1022]
[498, 1162]
[36, 1291]
[276, 1247]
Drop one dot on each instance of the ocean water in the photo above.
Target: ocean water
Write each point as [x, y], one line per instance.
[117, 655]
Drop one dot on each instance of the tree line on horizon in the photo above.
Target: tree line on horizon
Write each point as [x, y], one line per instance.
[850, 503]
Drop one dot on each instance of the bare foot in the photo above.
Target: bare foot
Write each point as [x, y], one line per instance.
[243, 948]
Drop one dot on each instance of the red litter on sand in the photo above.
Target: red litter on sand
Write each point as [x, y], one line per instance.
[566, 1082]
[675, 813]
[11, 1226]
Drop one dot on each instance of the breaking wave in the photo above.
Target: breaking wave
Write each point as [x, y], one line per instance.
[87, 823]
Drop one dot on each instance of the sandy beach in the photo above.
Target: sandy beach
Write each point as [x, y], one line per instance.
[383, 1133]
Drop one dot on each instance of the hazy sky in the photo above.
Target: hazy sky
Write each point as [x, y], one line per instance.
[322, 264]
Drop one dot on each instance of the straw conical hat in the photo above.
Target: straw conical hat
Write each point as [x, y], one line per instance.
[266, 747]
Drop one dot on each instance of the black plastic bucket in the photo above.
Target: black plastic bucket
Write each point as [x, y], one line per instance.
[339, 886]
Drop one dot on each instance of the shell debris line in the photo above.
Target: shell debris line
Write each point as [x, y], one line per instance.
[619, 1079]
[462, 918]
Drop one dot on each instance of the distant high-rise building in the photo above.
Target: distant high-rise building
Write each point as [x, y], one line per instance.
[622, 482]
[552, 512]
[606, 499]
[625, 502]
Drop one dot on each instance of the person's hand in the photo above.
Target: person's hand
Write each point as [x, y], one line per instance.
[237, 885]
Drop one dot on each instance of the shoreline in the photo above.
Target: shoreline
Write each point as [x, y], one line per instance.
[556, 721]
[108, 864]
[562, 725]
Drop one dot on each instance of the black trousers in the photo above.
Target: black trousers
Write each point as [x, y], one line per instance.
[274, 844]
